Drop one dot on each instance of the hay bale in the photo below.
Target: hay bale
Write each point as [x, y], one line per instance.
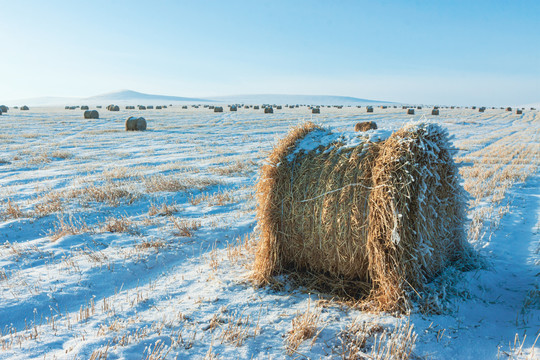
[99, 107]
[158, 107]
[256, 107]
[410, 112]
[135, 124]
[91, 114]
[435, 112]
[184, 107]
[113, 107]
[509, 109]
[268, 110]
[84, 107]
[369, 109]
[365, 126]
[66, 107]
[279, 107]
[142, 107]
[481, 109]
[315, 111]
[360, 218]
[218, 109]
[4, 108]
[24, 107]
[233, 108]
[519, 112]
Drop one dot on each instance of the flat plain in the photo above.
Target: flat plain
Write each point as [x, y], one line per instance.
[118, 244]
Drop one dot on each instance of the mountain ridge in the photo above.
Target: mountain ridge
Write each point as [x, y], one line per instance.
[125, 96]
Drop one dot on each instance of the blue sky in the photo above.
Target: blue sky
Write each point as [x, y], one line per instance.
[462, 52]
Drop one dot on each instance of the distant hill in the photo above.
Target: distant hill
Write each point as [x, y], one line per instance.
[124, 97]
[130, 95]
[296, 99]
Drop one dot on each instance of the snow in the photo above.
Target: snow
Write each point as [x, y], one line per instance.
[150, 289]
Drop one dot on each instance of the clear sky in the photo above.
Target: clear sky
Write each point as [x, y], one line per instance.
[462, 52]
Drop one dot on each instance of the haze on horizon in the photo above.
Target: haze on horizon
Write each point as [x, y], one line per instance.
[462, 52]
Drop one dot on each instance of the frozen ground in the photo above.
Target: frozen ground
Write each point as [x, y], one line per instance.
[126, 245]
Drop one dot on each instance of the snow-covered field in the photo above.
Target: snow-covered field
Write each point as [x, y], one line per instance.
[128, 245]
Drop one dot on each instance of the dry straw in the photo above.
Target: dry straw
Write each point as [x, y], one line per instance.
[365, 126]
[135, 124]
[373, 221]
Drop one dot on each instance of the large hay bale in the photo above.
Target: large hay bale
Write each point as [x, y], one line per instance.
[481, 109]
[358, 217]
[233, 108]
[91, 114]
[24, 107]
[509, 109]
[365, 126]
[218, 109]
[435, 112]
[268, 110]
[369, 109]
[519, 112]
[135, 124]
[410, 112]
[315, 110]
[4, 108]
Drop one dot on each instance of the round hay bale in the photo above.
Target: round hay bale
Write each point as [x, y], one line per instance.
[256, 107]
[435, 112]
[410, 112]
[135, 124]
[67, 107]
[509, 109]
[369, 109]
[84, 107]
[98, 106]
[279, 107]
[91, 114]
[268, 110]
[218, 109]
[315, 111]
[24, 107]
[4, 108]
[360, 218]
[519, 112]
[184, 107]
[234, 108]
[158, 107]
[365, 126]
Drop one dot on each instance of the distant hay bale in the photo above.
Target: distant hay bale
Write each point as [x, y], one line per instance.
[142, 107]
[481, 109]
[256, 107]
[218, 109]
[184, 107]
[519, 112]
[67, 107]
[509, 109]
[365, 126]
[435, 112]
[135, 124]
[360, 219]
[24, 107]
[369, 109]
[91, 114]
[84, 107]
[4, 108]
[234, 108]
[279, 107]
[99, 107]
[158, 107]
[130, 107]
[113, 107]
[315, 111]
[268, 110]
[410, 112]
